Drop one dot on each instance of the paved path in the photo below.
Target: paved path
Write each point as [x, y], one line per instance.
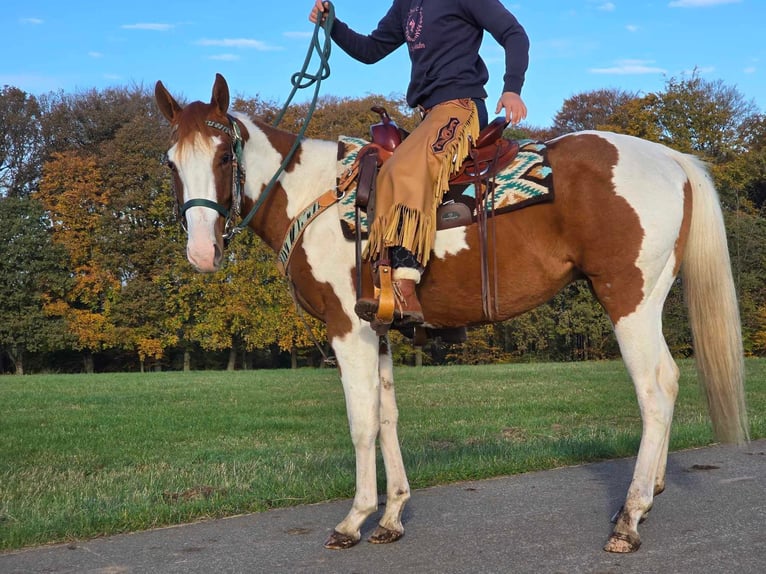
[711, 519]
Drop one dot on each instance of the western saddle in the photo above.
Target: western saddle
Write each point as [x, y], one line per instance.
[489, 155]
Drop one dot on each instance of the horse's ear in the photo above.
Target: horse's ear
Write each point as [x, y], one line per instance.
[220, 96]
[167, 104]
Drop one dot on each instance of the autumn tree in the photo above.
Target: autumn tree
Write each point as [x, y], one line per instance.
[73, 193]
[333, 116]
[247, 305]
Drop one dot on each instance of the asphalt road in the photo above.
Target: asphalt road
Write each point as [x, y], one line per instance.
[711, 519]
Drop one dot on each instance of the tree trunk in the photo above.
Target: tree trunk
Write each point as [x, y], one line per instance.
[141, 361]
[187, 360]
[17, 356]
[87, 362]
[418, 356]
[232, 359]
[247, 361]
[294, 357]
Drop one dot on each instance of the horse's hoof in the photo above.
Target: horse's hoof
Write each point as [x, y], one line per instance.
[622, 543]
[383, 535]
[339, 541]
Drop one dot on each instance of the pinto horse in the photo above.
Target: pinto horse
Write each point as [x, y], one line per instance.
[628, 216]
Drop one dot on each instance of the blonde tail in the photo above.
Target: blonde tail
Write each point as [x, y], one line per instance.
[713, 308]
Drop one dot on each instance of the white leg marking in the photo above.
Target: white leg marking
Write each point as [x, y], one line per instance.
[655, 377]
[357, 355]
[397, 486]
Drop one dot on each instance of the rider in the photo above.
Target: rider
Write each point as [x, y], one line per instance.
[447, 85]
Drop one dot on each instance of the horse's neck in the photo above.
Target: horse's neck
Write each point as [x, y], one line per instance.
[310, 173]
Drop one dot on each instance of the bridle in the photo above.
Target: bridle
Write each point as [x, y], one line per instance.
[238, 183]
[299, 80]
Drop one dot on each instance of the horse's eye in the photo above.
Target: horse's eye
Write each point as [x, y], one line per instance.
[172, 166]
[226, 159]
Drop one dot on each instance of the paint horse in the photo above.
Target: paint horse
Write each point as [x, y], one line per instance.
[629, 215]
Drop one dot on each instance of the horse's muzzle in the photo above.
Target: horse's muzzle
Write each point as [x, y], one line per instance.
[206, 258]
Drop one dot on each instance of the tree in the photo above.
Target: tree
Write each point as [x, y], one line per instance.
[589, 110]
[636, 118]
[20, 142]
[247, 305]
[333, 116]
[140, 235]
[72, 192]
[706, 117]
[31, 271]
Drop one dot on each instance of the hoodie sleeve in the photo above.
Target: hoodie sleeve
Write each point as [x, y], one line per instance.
[492, 16]
[386, 38]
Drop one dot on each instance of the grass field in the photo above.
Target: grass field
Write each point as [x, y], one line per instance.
[84, 456]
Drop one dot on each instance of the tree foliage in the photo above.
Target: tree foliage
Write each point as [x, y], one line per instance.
[93, 259]
[20, 142]
[31, 271]
[589, 110]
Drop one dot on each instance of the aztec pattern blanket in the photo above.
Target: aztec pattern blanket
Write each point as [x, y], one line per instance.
[528, 180]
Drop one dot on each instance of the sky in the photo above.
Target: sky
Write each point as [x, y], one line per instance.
[576, 46]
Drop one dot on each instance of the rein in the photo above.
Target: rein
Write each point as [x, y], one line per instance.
[323, 50]
[299, 80]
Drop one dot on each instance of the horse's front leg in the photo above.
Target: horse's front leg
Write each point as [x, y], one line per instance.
[357, 355]
[390, 527]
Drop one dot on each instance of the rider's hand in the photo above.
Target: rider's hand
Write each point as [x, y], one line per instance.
[515, 109]
[319, 8]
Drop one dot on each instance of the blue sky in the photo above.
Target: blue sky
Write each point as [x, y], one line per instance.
[577, 46]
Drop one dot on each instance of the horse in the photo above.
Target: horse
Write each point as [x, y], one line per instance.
[629, 215]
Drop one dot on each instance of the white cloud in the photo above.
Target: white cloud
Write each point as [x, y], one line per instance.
[630, 67]
[34, 21]
[750, 70]
[240, 43]
[224, 57]
[700, 3]
[632, 28]
[95, 54]
[153, 26]
[298, 35]
[607, 7]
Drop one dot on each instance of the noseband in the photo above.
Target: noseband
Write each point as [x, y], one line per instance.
[233, 131]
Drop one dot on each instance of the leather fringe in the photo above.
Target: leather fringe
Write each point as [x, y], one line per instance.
[413, 229]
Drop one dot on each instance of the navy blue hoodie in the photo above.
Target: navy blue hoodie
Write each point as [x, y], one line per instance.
[443, 37]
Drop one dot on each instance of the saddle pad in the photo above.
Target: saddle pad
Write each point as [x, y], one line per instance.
[348, 150]
[528, 180]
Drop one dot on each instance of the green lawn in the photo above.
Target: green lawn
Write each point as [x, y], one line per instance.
[83, 456]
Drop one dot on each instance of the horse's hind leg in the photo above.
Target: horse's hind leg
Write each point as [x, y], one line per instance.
[669, 375]
[390, 527]
[655, 377]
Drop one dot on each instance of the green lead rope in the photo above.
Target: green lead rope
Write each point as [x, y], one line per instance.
[302, 80]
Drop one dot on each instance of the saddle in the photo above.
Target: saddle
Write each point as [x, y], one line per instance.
[490, 154]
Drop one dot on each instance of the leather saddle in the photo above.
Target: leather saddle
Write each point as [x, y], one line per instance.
[490, 154]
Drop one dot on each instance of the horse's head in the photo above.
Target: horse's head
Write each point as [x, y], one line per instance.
[207, 172]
